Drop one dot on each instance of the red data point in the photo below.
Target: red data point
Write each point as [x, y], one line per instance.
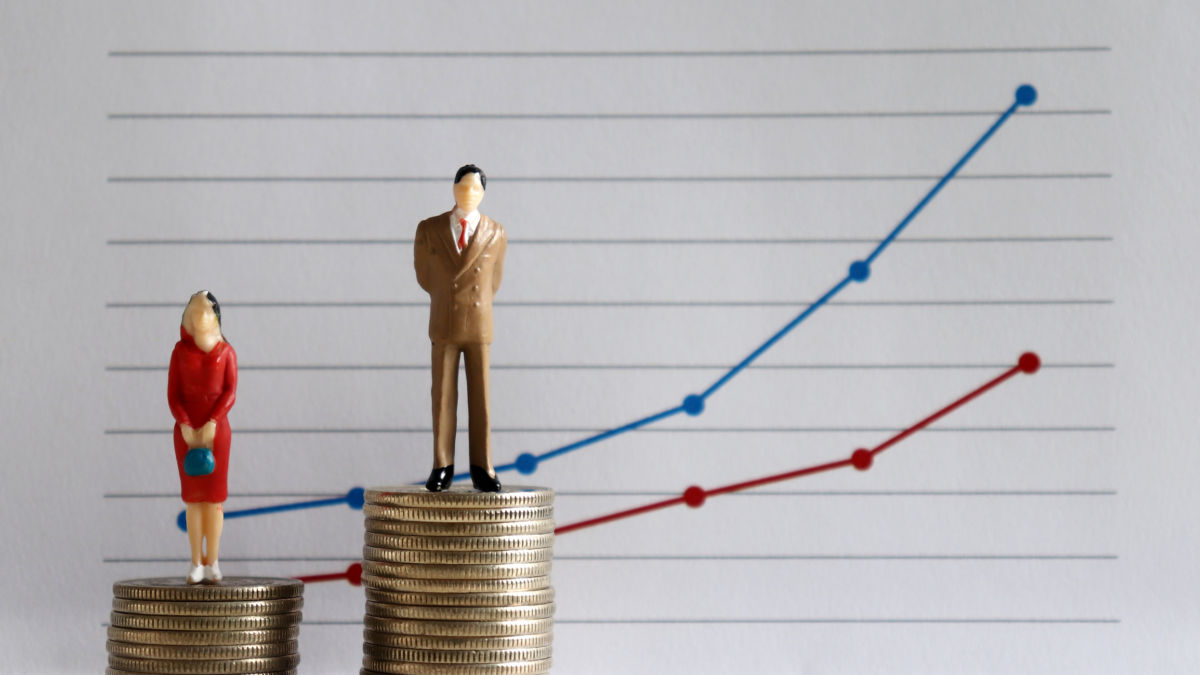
[1029, 362]
[694, 496]
[354, 574]
[862, 459]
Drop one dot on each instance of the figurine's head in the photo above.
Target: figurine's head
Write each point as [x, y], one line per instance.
[202, 315]
[469, 184]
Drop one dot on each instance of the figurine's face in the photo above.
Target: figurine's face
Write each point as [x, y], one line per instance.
[468, 192]
[199, 318]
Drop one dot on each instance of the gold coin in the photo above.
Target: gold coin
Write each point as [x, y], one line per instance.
[458, 497]
[229, 667]
[541, 526]
[515, 541]
[523, 555]
[505, 515]
[373, 666]
[204, 623]
[539, 597]
[455, 656]
[202, 638]
[461, 613]
[199, 653]
[458, 628]
[221, 608]
[236, 589]
[455, 585]
[431, 642]
[508, 571]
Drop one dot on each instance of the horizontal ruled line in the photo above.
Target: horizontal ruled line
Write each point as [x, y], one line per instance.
[615, 242]
[851, 557]
[614, 116]
[912, 621]
[756, 493]
[424, 367]
[799, 178]
[841, 621]
[646, 430]
[424, 304]
[611, 53]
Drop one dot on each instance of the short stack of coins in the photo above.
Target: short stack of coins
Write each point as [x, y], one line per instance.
[458, 581]
[241, 625]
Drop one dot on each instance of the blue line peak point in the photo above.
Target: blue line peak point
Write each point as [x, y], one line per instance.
[693, 404]
[181, 521]
[1026, 94]
[355, 498]
[527, 463]
[860, 270]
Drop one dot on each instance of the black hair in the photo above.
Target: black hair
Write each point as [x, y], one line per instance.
[216, 305]
[471, 168]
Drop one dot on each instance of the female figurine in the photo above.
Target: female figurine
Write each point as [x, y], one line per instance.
[201, 384]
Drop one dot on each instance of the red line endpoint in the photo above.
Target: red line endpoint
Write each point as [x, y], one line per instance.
[694, 496]
[862, 459]
[354, 574]
[1029, 363]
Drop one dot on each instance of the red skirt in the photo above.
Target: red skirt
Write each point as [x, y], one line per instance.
[211, 488]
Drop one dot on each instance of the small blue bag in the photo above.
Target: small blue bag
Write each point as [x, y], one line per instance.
[199, 462]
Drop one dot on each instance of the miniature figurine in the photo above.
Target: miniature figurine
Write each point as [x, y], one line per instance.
[201, 386]
[459, 257]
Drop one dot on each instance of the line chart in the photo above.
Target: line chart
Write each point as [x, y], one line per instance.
[694, 404]
[696, 496]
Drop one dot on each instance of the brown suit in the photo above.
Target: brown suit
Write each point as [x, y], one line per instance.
[460, 287]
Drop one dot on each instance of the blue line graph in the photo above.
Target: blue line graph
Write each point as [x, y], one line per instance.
[694, 404]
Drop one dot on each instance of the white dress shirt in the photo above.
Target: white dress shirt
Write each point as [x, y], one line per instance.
[456, 228]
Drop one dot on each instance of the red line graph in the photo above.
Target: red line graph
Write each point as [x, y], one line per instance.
[695, 496]
[861, 459]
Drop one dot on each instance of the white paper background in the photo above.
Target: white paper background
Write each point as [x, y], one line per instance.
[1089, 459]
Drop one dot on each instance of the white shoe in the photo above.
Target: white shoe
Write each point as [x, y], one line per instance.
[196, 575]
[213, 572]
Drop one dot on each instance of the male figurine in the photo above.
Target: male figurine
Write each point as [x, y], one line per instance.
[459, 256]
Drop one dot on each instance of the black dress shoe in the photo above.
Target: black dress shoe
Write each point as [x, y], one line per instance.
[440, 479]
[483, 479]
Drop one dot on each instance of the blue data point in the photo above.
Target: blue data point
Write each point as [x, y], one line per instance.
[181, 521]
[526, 463]
[355, 498]
[859, 271]
[693, 404]
[1026, 94]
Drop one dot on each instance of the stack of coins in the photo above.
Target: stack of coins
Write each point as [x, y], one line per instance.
[458, 581]
[241, 625]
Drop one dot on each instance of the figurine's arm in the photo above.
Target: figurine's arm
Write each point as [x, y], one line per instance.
[421, 256]
[224, 402]
[498, 269]
[174, 400]
[229, 391]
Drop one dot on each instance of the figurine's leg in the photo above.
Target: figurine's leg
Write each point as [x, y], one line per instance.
[195, 533]
[478, 363]
[445, 402]
[214, 523]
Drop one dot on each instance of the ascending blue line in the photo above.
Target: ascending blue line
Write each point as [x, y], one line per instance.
[693, 404]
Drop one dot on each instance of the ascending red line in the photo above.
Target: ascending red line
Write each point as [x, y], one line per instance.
[695, 495]
[860, 459]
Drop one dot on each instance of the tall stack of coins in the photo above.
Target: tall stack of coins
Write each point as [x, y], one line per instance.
[458, 581]
[241, 625]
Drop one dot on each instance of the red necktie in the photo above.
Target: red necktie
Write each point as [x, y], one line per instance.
[462, 235]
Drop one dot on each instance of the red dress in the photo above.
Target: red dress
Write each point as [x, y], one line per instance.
[201, 387]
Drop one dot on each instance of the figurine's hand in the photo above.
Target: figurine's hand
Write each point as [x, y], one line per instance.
[190, 437]
[207, 433]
